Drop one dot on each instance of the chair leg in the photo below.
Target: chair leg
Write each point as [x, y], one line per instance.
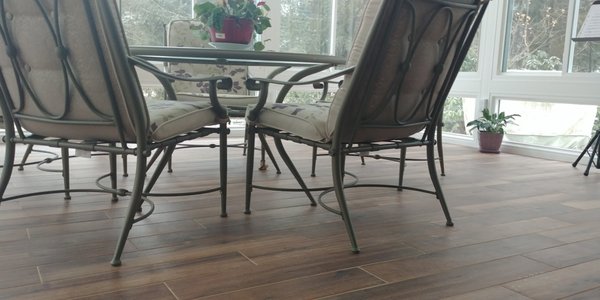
[402, 167]
[112, 162]
[9, 160]
[25, 156]
[314, 162]
[337, 165]
[251, 137]
[245, 141]
[65, 172]
[160, 166]
[292, 168]
[124, 157]
[223, 167]
[265, 148]
[154, 157]
[436, 183]
[134, 205]
[440, 149]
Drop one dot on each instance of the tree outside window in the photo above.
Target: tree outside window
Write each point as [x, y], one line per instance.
[144, 20]
[537, 35]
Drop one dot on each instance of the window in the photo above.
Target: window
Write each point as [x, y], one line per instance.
[586, 55]
[536, 35]
[458, 111]
[144, 20]
[471, 63]
[557, 125]
[307, 26]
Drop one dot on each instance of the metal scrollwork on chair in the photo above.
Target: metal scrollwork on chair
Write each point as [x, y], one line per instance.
[403, 62]
[66, 78]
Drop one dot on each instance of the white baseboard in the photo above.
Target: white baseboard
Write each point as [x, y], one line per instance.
[520, 149]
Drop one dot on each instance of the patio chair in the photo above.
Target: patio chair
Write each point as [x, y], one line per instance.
[186, 33]
[67, 81]
[401, 67]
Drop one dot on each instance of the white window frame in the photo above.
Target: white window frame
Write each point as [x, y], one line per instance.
[490, 83]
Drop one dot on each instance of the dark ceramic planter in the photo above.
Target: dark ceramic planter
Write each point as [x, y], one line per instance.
[489, 142]
[234, 30]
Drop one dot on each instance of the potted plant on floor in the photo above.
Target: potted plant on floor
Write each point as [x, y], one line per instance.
[234, 21]
[491, 129]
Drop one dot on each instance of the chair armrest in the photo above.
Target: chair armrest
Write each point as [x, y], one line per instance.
[262, 85]
[215, 82]
[298, 76]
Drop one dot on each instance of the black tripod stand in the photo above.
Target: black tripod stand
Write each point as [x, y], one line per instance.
[595, 143]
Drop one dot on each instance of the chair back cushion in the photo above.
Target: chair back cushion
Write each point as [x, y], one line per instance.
[65, 72]
[186, 33]
[405, 58]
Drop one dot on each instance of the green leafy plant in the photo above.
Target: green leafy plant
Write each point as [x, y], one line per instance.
[489, 122]
[212, 15]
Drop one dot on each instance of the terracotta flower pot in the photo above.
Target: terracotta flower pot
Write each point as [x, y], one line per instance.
[234, 30]
[489, 142]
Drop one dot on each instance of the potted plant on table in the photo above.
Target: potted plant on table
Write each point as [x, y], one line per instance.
[234, 21]
[491, 129]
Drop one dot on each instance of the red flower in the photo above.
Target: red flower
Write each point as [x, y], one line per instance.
[261, 3]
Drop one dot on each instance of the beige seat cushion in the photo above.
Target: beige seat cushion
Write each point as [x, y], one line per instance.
[305, 120]
[170, 118]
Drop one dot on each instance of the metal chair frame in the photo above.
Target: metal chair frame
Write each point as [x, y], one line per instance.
[352, 117]
[108, 40]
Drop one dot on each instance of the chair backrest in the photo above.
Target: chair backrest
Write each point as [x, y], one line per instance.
[65, 73]
[407, 54]
[186, 33]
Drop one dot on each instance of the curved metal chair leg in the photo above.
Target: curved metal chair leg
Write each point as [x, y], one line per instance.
[112, 161]
[292, 168]
[223, 168]
[134, 205]
[251, 137]
[9, 160]
[337, 165]
[124, 157]
[154, 157]
[436, 183]
[265, 148]
[25, 156]
[314, 162]
[160, 166]
[402, 166]
[440, 149]
[65, 172]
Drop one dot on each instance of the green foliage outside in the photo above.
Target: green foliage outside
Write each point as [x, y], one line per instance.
[144, 20]
[537, 35]
[305, 26]
[305, 97]
[453, 116]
